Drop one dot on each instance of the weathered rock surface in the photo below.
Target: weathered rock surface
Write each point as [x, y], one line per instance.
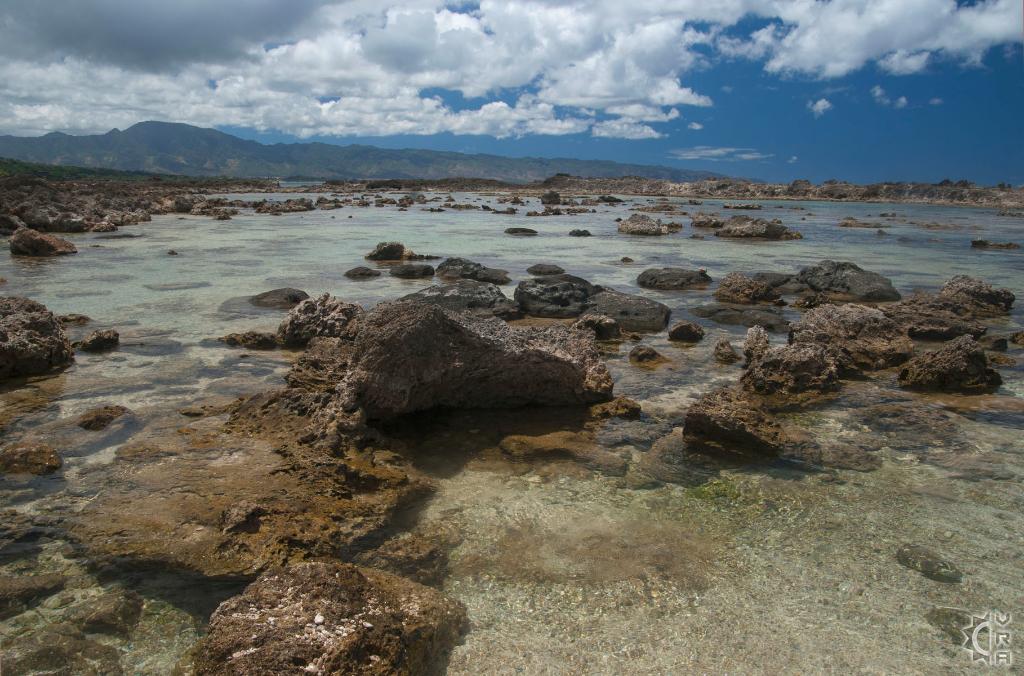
[251, 340]
[646, 355]
[790, 373]
[100, 418]
[392, 251]
[642, 224]
[331, 618]
[554, 296]
[633, 313]
[863, 337]
[20, 592]
[744, 315]
[99, 341]
[604, 327]
[673, 279]
[702, 220]
[411, 270]
[29, 458]
[28, 242]
[460, 268]
[958, 366]
[279, 299]
[846, 281]
[325, 316]
[545, 269]
[928, 563]
[933, 317]
[727, 420]
[686, 332]
[32, 340]
[467, 295]
[411, 357]
[725, 353]
[979, 297]
[745, 227]
[736, 287]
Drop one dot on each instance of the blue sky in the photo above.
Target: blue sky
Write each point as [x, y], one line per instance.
[862, 90]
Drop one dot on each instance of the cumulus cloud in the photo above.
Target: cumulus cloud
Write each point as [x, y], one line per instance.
[695, 126]
[882, 99]
[719, 154]
[819, 107]
[497, 67]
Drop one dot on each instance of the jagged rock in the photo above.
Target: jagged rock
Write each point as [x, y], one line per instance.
[619, 407]
[331, 618]
[554, 295]
[745, 227]
[279, 299]
[702, 220]
[251, 340]
[633, 313]
[100, 418]
[411, 271]
[981, 298]
[755, 344]
[725, 353]
[727, 420]
[27, 242]
[736, 287]
[790, 373]
[460, 268]
[325, 316]
[467, 295]
[847, 281]
[410, 357]
[744, 315]
[673, 279]
[99, 341]
[958, 366]
[29, 458]
[863, 337]
[686, 332]
[32, 340]
[642, 224]
[604, 328]
[545, 269]
[933, 317]
[362, 272]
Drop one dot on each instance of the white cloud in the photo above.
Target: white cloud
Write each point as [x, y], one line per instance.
[719, 154]
[901, 102]
[695, 126]
[819, 107]
[520, 66]
[935, 101]
[792, 160]
[882, 99]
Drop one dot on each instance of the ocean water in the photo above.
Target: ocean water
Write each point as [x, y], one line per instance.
[566, 570]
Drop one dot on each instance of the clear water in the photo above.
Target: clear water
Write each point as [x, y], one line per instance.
[565, 570]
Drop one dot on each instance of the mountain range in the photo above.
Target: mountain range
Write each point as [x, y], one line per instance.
[171, 148]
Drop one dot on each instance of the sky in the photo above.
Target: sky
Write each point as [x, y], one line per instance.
[860, 90]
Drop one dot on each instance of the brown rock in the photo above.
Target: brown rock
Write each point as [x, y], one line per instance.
[958, 366]
[738, 288]
[32, 340]
[29, 458]
[100, 418]
[27, 242]
[686, 332]
[99, 341]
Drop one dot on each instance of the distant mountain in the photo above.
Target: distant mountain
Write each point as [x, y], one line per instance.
[166, 148]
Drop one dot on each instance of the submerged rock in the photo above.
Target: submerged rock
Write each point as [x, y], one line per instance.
[29, 458]
[251, 340]
[736, 287]
[863, 337]
[958, 366]
[279, 299]
[99, 341]
[27, 242]
[32, 340]
[564, 444]
[673, 279]
[20, 592]
[745, 227]
[744, 315]
[979, 297]
[686, 332]
[411, 357]
[331, 618]
[467, 295]
[847, 281]
[100, 418]
[554, 295]
[633, 313]
[325, 316]
[928, 563]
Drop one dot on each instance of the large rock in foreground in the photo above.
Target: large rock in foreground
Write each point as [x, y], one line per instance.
[846, 281]
[554, 295]
[411, 357]
[958, 366]
[323, 317]
[863, 336]
[331, 618]
[27, 242]
[32, 341]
